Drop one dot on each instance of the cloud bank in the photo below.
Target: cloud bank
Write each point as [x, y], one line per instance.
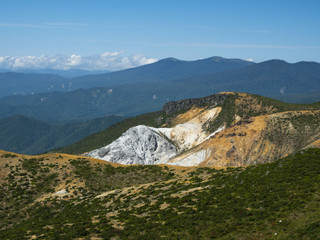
[112, 61]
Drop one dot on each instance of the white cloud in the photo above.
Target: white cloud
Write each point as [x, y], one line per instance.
[74, 60]
[106, 61]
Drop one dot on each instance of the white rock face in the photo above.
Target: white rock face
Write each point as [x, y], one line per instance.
[193, 158]
[147, 145]
[138, 145]
[190, 133]
[190, 160]
[62, 192]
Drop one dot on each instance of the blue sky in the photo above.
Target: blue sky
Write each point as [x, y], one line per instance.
[149, 30]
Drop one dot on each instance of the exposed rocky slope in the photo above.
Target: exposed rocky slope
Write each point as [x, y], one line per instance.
[257, 140]
[226, 129]
[138, 145]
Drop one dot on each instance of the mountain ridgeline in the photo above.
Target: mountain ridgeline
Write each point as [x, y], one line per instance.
[26, 83]
[164, 70]
[225, 129]
[145, 89]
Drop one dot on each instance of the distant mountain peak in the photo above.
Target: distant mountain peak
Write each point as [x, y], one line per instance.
[275, 61]
[222, 59]
[215, 58]
[170, 59]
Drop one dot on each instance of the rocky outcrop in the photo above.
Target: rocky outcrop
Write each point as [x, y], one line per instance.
[138, 145]
[212, 100]
[148, 145]
[247, 130]
[189, 129]
[256, 140]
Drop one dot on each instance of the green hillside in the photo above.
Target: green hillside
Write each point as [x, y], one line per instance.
[25, 135]
[279, 200]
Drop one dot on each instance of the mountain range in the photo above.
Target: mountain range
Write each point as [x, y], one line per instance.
[69, 73]
[147, 88]
[164, 70]
[31, 82]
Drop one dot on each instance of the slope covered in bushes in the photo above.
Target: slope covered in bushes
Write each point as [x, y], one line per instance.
[279, 200]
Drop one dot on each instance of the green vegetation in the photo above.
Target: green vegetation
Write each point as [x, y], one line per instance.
[226, 116]
[32, 178]
[292, 129]
[99, 178]
[30, 136]
[8, 155]
[278, 200]
[253, 105]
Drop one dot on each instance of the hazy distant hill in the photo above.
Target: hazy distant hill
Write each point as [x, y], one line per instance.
[13, 83]
[46, 80]
[163, 70]
[70, 73]
[270, 78]
[298, 82]
[30, 136]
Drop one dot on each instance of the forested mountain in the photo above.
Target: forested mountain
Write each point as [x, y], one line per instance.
[30, 136]
[163, 70]
[13, 83]
[298, 83]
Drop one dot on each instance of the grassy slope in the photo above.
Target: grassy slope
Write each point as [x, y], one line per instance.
[270, 201]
